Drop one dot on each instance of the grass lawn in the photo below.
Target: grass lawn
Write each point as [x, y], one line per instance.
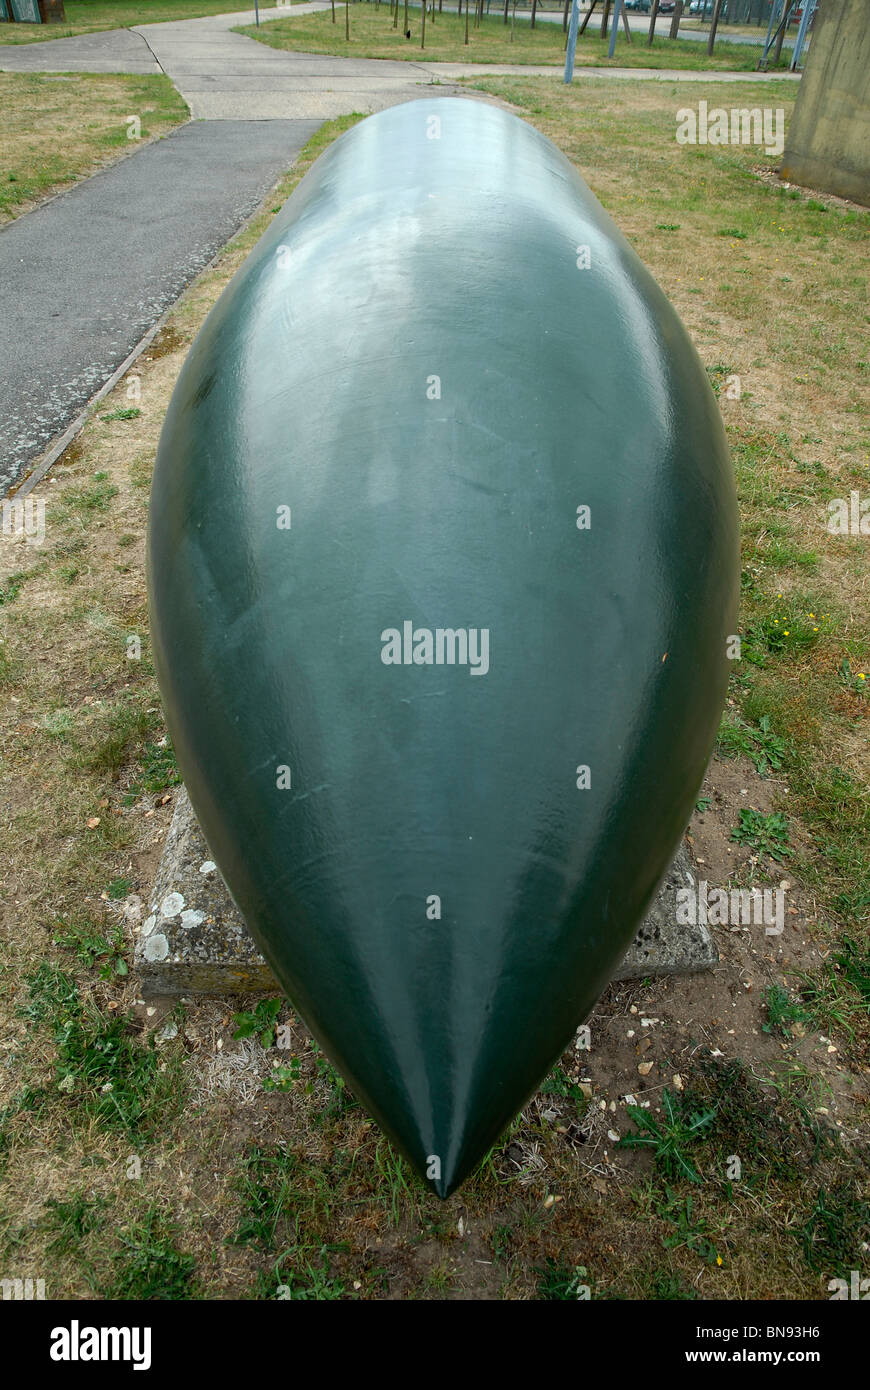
[158, 1155]
[59, 127]
[372, 36]
[90, 16]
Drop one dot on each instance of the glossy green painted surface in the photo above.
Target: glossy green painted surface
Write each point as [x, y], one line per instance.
[410, 254]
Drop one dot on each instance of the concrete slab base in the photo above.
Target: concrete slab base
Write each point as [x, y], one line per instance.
[194, 941]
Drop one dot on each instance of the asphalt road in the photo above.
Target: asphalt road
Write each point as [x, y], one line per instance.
[87, 274]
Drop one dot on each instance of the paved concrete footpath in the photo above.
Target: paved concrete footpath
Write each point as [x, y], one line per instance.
[114, 50]
[227, 76]
[88, 273]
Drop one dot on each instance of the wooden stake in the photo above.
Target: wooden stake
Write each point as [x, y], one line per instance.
[777, 47]
[714, 25]
[586, 18]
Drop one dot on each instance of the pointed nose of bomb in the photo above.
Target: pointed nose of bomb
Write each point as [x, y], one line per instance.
[463, 1085]
[443, 1026]
[443, 560]
[441, 1133]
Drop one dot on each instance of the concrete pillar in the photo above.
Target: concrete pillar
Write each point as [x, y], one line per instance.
[828, 144]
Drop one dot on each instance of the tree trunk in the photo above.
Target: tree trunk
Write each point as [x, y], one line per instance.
[675, 22]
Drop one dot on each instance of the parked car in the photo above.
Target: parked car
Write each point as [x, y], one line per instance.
[643, 5]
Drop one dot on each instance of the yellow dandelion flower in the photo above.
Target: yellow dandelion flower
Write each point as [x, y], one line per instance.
[811, 615]
[861, 676]
[785, 632]
[718, 1259]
